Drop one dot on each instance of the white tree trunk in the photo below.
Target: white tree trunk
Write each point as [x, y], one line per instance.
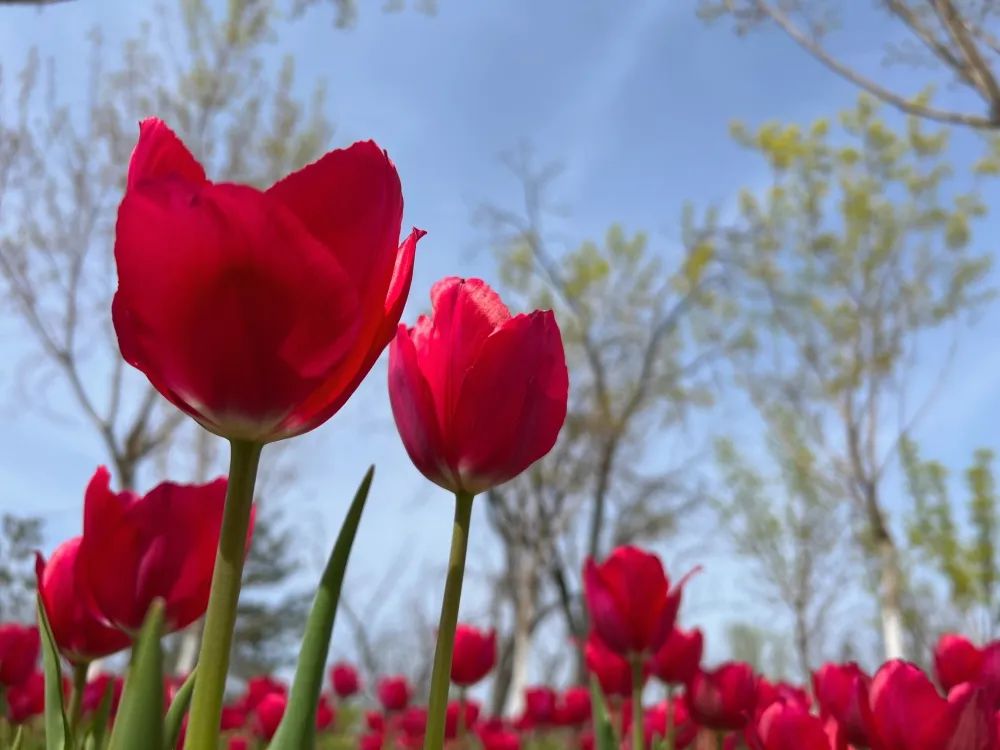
[521, 648]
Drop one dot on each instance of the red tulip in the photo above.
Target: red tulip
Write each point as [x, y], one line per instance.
[345, 680]
[259, 688]
[474, 655]
[462, 714]
[413, 722]
[956, 660]
[238, 743]
[573, 708]
[371, 741]
[841, 691]
[19, 648]
[258, 312]
[268, 714]
[495, 736]
[773, 692]
[137, 549]
[394, 693]
[611, 670]
[907, 711]
[478, 395]
[26, 699]
[658, 721]
[539, 705]
[723, 698]
[80, 636]
[631, 604]
[97, 688]
[789, 726]
[233, 717]
[325, 715]
[375, 721]
[678, 658]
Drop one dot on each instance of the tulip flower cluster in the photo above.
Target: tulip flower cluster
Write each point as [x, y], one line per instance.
[258, 313]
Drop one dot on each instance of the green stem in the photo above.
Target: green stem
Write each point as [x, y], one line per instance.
[76, 699]
[441, 674]
[638, 733]
[671, 730]
[461, 718]
[220, 619]
[720, 739]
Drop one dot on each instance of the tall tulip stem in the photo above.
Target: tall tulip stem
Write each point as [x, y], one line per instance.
[638, 734]
[441, 675]
[220, 619]
[76, 698]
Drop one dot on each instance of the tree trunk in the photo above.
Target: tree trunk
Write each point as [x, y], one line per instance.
[524, 616]
[891, 598]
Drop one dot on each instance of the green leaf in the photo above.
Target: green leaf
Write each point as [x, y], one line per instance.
[140, 717]
[178, 708]
[604, 731]
[298, 726]
[56, 726]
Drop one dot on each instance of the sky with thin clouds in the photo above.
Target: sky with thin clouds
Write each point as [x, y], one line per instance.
[633, 98]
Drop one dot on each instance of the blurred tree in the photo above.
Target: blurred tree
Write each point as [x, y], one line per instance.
[19, 538]
[62, 169]
[857, 249]
[958, 41]
[346, 11]
[963, 551]
[792, 527]
[640, 334]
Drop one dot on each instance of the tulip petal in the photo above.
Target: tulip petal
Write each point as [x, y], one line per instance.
[160, 154]
[413, 410]
[333, 394]
[254, 333]
[512, 401]
[605, 610]
[907, 711]
[350, 200]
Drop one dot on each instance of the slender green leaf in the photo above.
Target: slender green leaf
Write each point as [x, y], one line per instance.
[56, 726]
[139, 723]
[178, 708]
[604, 730]
[298, 727]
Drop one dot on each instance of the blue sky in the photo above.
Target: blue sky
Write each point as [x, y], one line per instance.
[633, 97]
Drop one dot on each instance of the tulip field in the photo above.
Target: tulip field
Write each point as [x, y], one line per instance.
[716, 518]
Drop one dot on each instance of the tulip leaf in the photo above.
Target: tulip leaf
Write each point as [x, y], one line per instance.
[56, 727]
[298, 726]
[140, 716]
[604, 731]
[178, 708]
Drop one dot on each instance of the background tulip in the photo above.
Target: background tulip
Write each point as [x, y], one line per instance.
[612, 671]
[394, 693]
[137, 549]
[80, 636]
[345, 680]
[841, 691]
[789, 726]
[258, 312]
[676, 661]
[723, 698]
[474, 655]
[19, 649]
[631, 604]
[268, 714]
[26, 699]
[478, 395]
[908, 713]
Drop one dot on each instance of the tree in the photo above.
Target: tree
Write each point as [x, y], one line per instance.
[640, 334]
[62, 172]
[858, 249]
[19, 538]
[958, 40]
[791, 526]
[960, 552]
